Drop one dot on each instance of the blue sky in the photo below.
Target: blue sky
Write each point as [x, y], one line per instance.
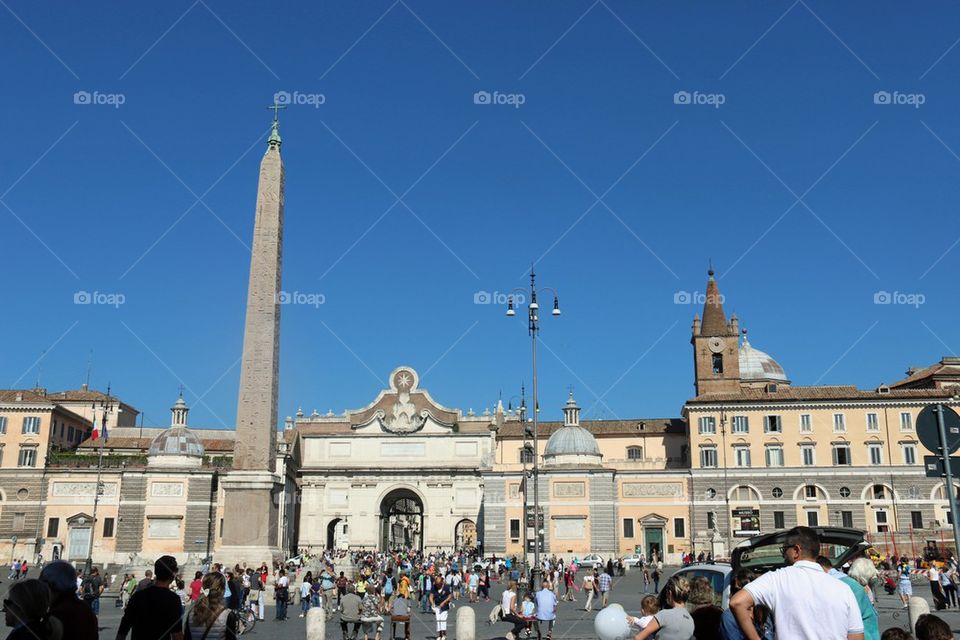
[651, 137]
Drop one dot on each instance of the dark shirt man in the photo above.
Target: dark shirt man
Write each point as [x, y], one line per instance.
[147, 580]
[61, 578]
[154, 613]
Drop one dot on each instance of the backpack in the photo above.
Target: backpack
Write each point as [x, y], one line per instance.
[89, 593]
[388, 586]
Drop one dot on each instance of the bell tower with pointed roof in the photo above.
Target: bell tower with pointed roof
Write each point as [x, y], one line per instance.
[715, 343]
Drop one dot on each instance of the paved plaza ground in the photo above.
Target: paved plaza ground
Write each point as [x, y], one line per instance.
[572, 621]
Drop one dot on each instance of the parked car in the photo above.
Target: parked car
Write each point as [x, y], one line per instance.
[762, 553]
[591, 561]
[631, 560]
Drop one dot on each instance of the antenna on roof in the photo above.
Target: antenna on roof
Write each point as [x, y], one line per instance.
[40, 368]
[86, 384]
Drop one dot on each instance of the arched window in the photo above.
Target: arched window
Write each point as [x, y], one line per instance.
[745, 494]
[634, 453]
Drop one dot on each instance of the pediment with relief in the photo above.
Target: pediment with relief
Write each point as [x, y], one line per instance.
[404, 408]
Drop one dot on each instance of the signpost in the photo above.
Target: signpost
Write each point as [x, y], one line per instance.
[938, 428]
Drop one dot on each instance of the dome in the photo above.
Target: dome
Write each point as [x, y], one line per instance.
[571, 441]
[176, 441]
[757, 365]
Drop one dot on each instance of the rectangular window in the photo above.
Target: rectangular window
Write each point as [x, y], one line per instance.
[31, 425]
[882, 521]
[634, 453]
[876, 453]
[872, 423]
[19, 521]
[221, 528]
[846, 519]
[526, 455]
[916, 519]
[28, 457]
[718, 363]
[810, 492]
[708, 457]
[70, 435]
[108, 527]
[3, 424]
[906, 421]
[806, 423]
[807, 454]
[775, 456]
[515, 529]
[771, 424]
[53, 527]
[879, 492]
[741, 424]
[778, 520]
[742, 456]
[628, 527]
[711, 520]
[679, 528]
[909, 454]
[813, 518]
[708, 425]
[839, 423]
[841, 454]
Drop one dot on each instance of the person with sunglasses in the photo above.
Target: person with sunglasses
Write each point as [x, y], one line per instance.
[806, 603]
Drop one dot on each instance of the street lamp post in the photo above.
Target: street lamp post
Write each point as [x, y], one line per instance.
[533, 328]
[522, 411]
[106, 407]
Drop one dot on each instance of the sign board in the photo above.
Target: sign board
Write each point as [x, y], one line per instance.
[749, 521]
[929, 431]
[531, 545]
[933, 465]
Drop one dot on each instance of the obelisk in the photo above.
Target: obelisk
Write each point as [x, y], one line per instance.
[251, 488]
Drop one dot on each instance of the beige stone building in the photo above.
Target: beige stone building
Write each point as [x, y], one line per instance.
[767, 454]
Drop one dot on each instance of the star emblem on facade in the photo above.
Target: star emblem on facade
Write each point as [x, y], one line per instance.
[404, 380]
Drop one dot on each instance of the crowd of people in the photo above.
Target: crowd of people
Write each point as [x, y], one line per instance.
[806, 599]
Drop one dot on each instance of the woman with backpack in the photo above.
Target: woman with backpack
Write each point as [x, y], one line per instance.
[209, 618]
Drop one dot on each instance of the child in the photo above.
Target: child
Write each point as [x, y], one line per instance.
[528, 611]
[649, 607]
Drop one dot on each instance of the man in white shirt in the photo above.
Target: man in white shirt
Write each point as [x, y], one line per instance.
[806, 603]
[939, 600]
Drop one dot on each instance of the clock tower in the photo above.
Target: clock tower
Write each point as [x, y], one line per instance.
[716, 347]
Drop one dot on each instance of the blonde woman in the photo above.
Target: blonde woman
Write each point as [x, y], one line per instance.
[675, 621]
[209, 618]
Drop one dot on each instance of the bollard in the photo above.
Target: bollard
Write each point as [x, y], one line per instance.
[916, 607]
[466, 624]
[316, 624]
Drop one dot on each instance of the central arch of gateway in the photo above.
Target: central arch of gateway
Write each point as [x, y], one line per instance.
[403, 471]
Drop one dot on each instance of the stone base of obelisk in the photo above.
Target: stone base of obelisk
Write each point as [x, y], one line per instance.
[251, 503]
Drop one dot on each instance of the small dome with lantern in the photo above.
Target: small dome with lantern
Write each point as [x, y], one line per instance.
[571, 443]
[757, 366]
[178, 446]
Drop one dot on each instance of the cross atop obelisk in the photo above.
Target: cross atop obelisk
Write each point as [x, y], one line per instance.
[276, 106]
[274, 140]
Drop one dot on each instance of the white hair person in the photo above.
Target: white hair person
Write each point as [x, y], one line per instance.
[864, 572]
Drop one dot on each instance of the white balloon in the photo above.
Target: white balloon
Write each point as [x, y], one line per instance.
[611, 624]
[617, 605]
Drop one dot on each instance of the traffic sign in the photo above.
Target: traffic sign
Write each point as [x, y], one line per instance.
[933, 465]
[929, 432]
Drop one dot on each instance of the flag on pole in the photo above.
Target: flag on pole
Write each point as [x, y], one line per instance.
[96, 430]
[101, 430]
[104, 425]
